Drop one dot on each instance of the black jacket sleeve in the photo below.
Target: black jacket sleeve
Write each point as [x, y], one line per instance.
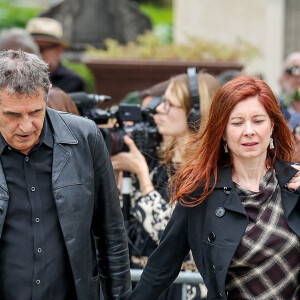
[108, 228]
[165, 262]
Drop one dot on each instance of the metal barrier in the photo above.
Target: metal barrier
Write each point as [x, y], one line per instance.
[183, 278]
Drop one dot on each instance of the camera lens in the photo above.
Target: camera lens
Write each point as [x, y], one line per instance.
[114, 139]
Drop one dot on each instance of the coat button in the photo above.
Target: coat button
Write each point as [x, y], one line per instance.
[220, 212]
[211, 237]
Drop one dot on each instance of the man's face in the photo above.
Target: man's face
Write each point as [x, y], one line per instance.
[22, 119]
[290, 84]
[51, 53]
[290, 79]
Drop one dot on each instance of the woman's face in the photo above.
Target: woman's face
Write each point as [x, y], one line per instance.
[248, 130]
[171, 119]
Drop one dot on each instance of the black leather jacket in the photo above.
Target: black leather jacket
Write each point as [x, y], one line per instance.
[88, 208]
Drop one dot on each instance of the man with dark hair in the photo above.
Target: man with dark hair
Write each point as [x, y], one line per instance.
[61, 227]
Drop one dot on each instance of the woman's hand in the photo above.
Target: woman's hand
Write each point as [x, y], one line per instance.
[294, 183]
[134, 162]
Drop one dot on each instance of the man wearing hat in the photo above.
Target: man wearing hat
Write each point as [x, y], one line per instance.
[48, 34]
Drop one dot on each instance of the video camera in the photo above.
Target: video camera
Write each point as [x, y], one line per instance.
[85, 102]
[130, 119]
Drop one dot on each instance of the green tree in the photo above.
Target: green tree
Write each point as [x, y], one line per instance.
[15, 16]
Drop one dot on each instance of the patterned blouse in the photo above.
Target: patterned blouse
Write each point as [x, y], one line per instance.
[267, 262]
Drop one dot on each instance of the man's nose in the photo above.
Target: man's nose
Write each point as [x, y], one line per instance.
[25, 125]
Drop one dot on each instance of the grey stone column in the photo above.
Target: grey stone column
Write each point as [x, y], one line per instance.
[292, 26]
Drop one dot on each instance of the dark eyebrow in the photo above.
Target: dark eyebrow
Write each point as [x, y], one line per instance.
[37, 110]
[11, 113]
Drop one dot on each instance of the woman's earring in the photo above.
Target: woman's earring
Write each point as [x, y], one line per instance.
[225, 147]
[271, 143]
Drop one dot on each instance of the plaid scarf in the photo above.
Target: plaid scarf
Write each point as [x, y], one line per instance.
[267, 261]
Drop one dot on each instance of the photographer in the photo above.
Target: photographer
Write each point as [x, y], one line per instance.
[150, 209]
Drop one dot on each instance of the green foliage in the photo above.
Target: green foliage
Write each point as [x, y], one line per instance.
[15, 16]
[149, 46]
[162, 21]
[83, 71]
[158, 15]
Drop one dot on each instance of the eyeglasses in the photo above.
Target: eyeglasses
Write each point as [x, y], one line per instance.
[294, 70]
[48, 47]
[168, 104]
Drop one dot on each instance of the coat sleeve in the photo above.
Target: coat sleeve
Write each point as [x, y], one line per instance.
[165, 262]
[108, 227]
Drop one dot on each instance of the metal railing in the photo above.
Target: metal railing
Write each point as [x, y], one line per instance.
[183, 278]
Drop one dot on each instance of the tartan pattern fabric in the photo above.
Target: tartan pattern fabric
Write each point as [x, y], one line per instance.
[267, 261]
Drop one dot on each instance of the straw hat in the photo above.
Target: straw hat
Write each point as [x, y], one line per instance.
[46, 29]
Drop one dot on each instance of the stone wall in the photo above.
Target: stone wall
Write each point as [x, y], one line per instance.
[260, 22]
[92, 21]
[292, 26]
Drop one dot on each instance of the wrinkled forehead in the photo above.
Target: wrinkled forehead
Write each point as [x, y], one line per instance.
[9, 91]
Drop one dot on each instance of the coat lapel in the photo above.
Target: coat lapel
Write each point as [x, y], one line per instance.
[233, 201]
[60, 158]
[290, 200]
[62, 135]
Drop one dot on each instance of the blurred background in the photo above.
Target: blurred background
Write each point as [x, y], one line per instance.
[250, 35]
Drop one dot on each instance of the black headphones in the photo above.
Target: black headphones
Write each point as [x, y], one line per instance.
[194, 115]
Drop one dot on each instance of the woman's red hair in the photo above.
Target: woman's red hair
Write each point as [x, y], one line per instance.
[198, 169]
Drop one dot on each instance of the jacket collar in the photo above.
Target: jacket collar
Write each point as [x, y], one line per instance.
[224, 178]
[284, 173]
[62, 132]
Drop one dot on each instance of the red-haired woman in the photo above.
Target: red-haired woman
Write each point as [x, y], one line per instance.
[238, 208]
